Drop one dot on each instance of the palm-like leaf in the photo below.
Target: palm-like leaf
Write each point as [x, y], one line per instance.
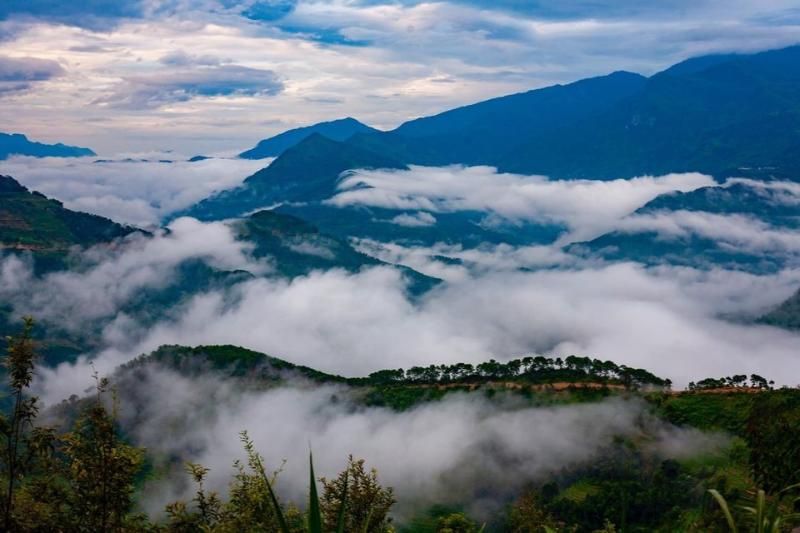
[314, 513]
[725, 509]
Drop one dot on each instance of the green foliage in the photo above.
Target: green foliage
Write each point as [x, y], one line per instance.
[101, 469]
[529, 514]
[727, 411]
[539, 369]
[86, 480]
[253, 505]
[456, 523]
[763, 515]
[366, 502]
[774, 439]
[18, 439]
[29, 220]
[737, 381]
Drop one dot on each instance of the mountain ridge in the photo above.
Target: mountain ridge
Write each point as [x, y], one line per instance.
[19, 144]
[336, 130]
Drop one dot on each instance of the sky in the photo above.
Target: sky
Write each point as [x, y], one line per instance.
[215, 76]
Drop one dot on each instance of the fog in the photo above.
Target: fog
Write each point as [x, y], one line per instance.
[588, 207]
[463, 449]
[676, 322]
[497, 301]
[135, 192]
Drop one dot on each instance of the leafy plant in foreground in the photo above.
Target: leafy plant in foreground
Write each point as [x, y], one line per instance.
[765, 516]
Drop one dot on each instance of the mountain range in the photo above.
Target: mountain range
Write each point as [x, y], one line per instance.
[51, 236]
[18, 144]
[721, 114]
[337, 130]
[724, 115]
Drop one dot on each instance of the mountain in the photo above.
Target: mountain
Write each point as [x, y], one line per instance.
[748, 200]
[299, 181]
[467, 228]
[233, 361]
[337, 130]
[31, 221]
[306, 172]
[722, 115]
[786, 315]
[482, 133]
[297, 248]
[769, 204]
[18, 144]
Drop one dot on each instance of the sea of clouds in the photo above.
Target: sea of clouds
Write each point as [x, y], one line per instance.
[138, 189]
[496, 301]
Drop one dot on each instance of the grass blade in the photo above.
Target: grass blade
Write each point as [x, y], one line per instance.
[725, 509]
[314, 514]
[760, 507]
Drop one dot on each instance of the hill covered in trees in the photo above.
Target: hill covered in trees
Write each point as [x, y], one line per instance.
[90, 475]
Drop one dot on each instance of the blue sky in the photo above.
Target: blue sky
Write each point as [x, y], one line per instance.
[213, 76]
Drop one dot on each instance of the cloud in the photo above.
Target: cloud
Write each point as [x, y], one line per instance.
[105, 279]
[18, 74]
[135, 192]
[510, 196]
[464, 449]
[179, 58]
[454, 262]
[680, 323]
[414, 220]
[405, 50]
[164, 88]
[735, 232]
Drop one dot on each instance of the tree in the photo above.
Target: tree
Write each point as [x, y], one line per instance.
[456, 523]
[774, 440]
[19, 441]
[101, 469]
[368, 503]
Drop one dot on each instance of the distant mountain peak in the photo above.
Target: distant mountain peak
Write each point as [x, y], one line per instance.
[336, 130]
[19, 144]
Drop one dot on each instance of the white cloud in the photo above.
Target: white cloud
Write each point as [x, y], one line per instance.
[414, 220]
[453, 262]
[672, 321]
[463, 449]
[135, 192]
[735, 232]
[105, 278]
[511, 196]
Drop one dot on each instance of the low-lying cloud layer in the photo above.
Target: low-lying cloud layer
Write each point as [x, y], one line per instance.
[104, 280]
[498, 301]
[672, 321]
[134, 192]
[511, 196]
[463, 449]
